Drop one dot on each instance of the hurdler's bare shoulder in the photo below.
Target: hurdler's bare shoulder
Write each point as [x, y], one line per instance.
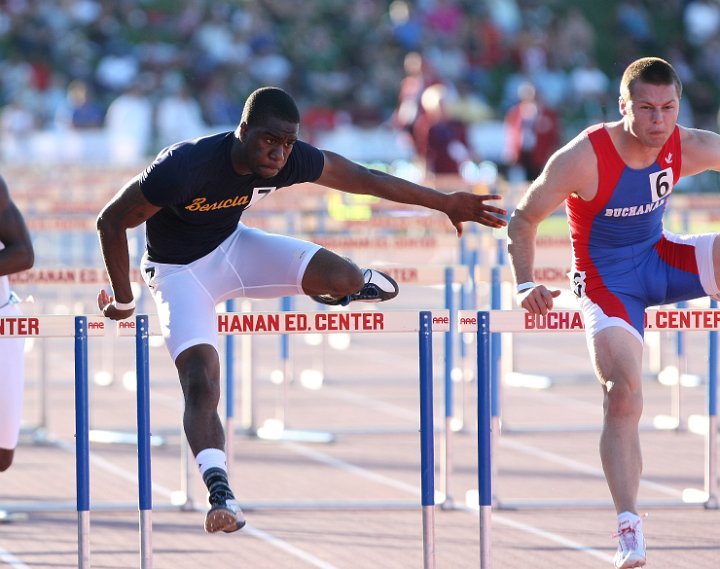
[700, 150]
[574, 166]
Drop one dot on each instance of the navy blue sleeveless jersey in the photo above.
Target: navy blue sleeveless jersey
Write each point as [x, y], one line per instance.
[202, 197]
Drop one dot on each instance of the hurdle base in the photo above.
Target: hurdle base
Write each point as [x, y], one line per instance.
[249, 432]
[712, 503]
[511, 505]
[120, 438]
[39, 436]
[327, 505]
[448, 504]
[275, 433]
[20, 511]
[8, 517]
[645, 426]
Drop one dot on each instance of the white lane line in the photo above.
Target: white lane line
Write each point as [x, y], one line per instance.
[8, 559]
[331, 461]
[581, 467]
[123, 474]
[532, 530]
[287, 547]
[552, 537]
[166, 492]
[358, 470]
[376, 404]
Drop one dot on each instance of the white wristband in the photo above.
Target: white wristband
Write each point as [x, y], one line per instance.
[522, 287]
[124, 305]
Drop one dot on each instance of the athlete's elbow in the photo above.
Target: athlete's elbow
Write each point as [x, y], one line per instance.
[518, 225]
[106, 222]
[28, 257]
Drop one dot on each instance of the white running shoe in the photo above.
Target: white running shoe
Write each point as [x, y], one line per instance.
[631, 546]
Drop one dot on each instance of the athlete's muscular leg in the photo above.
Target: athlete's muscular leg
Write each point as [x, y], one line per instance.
[617, 356]
[199, 370]
[328, 273]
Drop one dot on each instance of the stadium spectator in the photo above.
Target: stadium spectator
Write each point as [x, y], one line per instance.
[442, 139]
[532, 132]
[419, 74]
[128, 124]
[80, 110]
[17, 124]
[44, 46]
[179, 115]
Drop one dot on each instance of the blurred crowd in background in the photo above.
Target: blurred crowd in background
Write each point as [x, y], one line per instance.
[146, 73]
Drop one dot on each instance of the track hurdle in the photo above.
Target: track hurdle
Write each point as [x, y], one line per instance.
[143, 441]
[79, 328]
[518, 321]
[450, 278]
[62, 287]
[424, 323]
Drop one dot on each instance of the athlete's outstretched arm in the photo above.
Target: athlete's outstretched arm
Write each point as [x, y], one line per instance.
[127, 209]
[564, 174]
[18, 254]
[343, 174]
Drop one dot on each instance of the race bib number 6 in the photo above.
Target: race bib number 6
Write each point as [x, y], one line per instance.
[661, 184]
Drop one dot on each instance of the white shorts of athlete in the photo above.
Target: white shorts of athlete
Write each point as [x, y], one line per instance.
[12, 379]
[249, 263]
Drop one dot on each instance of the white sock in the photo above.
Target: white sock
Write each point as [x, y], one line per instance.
[628, 517]
[211, 458]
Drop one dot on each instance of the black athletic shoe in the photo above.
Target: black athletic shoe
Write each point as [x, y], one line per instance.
[378, 287]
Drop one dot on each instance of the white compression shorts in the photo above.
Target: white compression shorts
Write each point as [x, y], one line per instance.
[249, 263]
[12, 380]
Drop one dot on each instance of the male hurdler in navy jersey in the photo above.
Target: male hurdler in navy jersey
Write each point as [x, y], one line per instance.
[199, 254]
[615, 179]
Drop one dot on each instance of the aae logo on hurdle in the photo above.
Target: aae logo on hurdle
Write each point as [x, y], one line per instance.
[572, 320]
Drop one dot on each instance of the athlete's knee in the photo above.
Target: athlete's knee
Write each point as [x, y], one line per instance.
[623, 401]
[331, 274]
[6, 459]
[346, 280]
